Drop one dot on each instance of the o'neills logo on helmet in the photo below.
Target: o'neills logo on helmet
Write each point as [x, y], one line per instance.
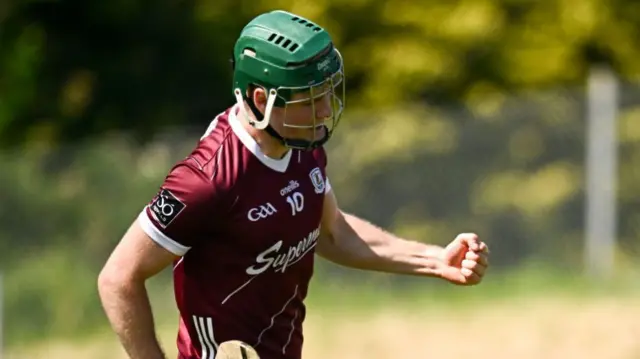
[290, 187]
[324, 64]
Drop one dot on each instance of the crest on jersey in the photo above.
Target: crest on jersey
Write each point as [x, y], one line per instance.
[317, 180]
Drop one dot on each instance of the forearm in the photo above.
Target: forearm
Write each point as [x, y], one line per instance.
[129, 312]
[360, 244]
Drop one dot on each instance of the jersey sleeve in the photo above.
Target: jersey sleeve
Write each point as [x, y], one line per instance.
[180, 215]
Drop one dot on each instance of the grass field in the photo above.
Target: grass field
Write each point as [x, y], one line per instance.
[552, 324]
[543, 328]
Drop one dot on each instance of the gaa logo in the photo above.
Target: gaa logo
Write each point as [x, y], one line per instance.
[261, 212]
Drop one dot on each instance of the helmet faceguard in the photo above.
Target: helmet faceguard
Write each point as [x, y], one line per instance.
[296, 64]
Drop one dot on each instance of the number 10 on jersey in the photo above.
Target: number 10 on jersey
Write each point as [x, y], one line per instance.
[296, 201]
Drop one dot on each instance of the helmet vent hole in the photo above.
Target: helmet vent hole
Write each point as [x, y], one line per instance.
[307, 23]
[279, 39]
[273, 36]
[294, 47]
[286, 43]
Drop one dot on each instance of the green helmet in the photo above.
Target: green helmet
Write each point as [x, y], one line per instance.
[287, 54]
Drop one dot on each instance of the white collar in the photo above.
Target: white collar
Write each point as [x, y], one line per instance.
[253, 147]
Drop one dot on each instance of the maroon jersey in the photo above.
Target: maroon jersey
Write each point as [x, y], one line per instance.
[245, 226]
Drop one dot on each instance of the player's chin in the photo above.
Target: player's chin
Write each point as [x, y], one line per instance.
[317, 133]
[309, 134]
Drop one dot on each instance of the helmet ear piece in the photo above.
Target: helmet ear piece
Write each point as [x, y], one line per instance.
[232, 61]
[260, 122]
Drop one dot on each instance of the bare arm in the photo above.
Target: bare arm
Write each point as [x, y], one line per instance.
[353, 242]
[121, 285]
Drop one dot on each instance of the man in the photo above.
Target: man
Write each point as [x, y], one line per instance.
[241, 218]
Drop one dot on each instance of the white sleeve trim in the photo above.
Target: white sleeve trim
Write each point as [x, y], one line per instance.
[162, 239]
[327, 186]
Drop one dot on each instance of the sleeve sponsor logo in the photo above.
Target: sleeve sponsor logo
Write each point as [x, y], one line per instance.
[166, 207]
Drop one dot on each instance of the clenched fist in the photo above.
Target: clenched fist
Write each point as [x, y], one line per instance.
[465, 260]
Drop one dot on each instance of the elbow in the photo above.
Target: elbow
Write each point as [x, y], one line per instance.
[107, 281]
[112, 280]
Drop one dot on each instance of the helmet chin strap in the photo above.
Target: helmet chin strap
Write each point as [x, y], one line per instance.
[262, 121]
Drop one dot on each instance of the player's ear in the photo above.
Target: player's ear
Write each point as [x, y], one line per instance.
[259, 98]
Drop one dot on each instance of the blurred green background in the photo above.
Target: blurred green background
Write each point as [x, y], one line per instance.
[464, 115]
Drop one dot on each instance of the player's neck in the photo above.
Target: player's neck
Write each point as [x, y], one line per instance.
[268, 145]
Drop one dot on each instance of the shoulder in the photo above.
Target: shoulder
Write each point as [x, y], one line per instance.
[211, 144]
[321, 156]
[203, 172]
[219, 153]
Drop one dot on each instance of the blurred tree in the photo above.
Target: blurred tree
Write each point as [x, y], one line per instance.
[72, 69]
[75, 69]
